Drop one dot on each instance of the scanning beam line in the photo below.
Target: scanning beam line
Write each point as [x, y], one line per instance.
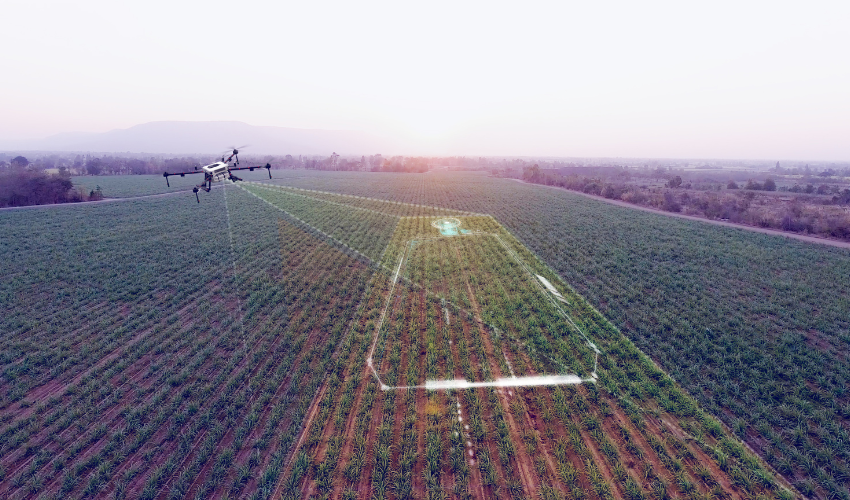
[569, 379]
[465, 213]
[529, 381]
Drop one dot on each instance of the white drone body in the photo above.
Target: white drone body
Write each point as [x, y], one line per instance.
[216, 171]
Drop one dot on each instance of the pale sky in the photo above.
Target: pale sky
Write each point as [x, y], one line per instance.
[635, 79]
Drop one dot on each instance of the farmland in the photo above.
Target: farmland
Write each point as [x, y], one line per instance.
[585, 441]
[478, 276]
[150, 351]
[754, 327]
[191, 377]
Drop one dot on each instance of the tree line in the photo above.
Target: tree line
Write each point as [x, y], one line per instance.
[21, 186]
[796, 209]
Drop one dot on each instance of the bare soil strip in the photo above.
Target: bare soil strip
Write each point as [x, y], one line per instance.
[524, 462]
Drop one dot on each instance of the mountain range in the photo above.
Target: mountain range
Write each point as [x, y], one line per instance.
[190, 137]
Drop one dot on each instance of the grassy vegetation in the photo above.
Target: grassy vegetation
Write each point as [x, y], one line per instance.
[144, 356]
[580, 441]
[755, 327]
[487, 274]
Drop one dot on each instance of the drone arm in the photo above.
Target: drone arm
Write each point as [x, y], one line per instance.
[267, 166]
[181, 174]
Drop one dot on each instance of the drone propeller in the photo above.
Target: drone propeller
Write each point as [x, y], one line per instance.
[235, 150]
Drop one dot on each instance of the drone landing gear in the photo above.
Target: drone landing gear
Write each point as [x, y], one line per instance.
[206, 186]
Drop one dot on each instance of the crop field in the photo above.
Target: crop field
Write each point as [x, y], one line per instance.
[145, 357]
[352, 344]
[459, 306]
[755, 327]
[483, 283]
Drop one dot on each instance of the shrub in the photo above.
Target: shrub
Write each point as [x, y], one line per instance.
[670, 203]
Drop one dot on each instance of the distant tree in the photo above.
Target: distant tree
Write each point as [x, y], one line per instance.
[592, 187]
[753, 185]
[375, 161]
[20, 188]
[94, 166]
[769, 185]
[137, 167]
[96, 194]
[810, 189]
[674, 182]
[670, 203]
[614, 191]
[732, 185]
[843, 198]
[19, 163]
[532, 173]
[823, 189]
[48, 162]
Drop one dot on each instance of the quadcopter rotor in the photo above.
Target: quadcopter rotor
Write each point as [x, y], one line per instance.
[235, 150]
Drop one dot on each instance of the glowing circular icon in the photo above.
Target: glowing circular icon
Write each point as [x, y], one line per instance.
[447, 226]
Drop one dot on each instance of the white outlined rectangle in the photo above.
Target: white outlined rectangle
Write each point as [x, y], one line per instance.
[545, 288]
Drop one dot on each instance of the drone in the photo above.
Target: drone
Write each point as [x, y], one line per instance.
[218, 171]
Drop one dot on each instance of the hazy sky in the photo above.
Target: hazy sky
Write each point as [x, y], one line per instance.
[662, 79]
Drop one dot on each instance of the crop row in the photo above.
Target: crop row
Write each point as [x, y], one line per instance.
[753, 326]
[632, 435]
[202, 401]
[397, 209]
[363, 230]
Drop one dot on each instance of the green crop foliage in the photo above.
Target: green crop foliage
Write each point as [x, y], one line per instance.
[149, 347]
[753, 326]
